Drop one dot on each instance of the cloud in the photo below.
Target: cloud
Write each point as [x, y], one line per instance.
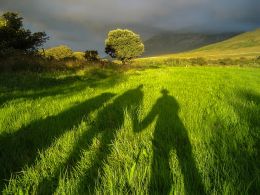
[83, 24]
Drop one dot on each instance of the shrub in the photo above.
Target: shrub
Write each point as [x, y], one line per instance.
[198, 61]
[59, 53]
[23, 62]
[91, 55]
[123, 45]
[226, 61]
[79, 56]
[257, 60]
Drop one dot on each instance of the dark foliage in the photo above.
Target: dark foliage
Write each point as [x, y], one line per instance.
[14, 37]
[110, 51]
[91, 55]
[198, 61]
[226, 61]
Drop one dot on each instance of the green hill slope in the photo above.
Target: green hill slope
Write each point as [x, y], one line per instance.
[246, 42]
[243, 45]
[176, 42]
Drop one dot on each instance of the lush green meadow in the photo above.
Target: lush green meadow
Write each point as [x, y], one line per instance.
[158, 130]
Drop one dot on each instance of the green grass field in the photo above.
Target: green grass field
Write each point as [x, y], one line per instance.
[178, 130]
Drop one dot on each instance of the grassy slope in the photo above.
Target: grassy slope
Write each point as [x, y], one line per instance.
[246, 44]
[62, 133]
[176, 42]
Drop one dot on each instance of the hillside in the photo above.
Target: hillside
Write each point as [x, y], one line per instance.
[243, 45]
[246, 42]
[176, 42]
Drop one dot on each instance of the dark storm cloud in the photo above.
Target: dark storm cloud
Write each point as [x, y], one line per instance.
[83, 24]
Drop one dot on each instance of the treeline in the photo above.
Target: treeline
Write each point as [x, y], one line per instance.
[20, 49]
[53, 59]
[64, 52]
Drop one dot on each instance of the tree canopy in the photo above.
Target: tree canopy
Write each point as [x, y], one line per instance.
[124, 45]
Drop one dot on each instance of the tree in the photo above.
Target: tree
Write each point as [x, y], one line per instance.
[123, 45]
[59, 53]
[91, 55]
[14, 36]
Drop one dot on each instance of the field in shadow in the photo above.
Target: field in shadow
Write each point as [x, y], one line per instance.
[247, 153]
[236, 146]
[170, 134]
[109, 120]
[21, 148]
[32, 85]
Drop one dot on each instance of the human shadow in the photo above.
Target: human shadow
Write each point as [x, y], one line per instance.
[21, 148]
[170, 134]
[109, 120]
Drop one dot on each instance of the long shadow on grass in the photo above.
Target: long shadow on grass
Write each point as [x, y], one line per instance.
[170, 134]
[33, 86]
[21, 148]
[237, 147]
[107, 123]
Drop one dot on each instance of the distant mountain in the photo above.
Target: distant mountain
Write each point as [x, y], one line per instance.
[176, 42]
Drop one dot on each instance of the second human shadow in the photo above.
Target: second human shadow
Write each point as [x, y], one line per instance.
[109, 120]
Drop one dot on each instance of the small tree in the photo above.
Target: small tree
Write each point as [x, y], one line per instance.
[59, 53]
[123, 45]
[14, 36]
[91, 55]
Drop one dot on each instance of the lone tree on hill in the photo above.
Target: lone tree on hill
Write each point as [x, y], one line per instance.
[14, 36]
[123, 45]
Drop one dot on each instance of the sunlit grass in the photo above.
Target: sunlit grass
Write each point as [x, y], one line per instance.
[103, 132]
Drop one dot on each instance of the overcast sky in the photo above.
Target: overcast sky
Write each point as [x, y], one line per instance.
[83, 24]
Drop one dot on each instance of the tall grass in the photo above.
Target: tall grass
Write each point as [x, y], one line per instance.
[167, 130]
